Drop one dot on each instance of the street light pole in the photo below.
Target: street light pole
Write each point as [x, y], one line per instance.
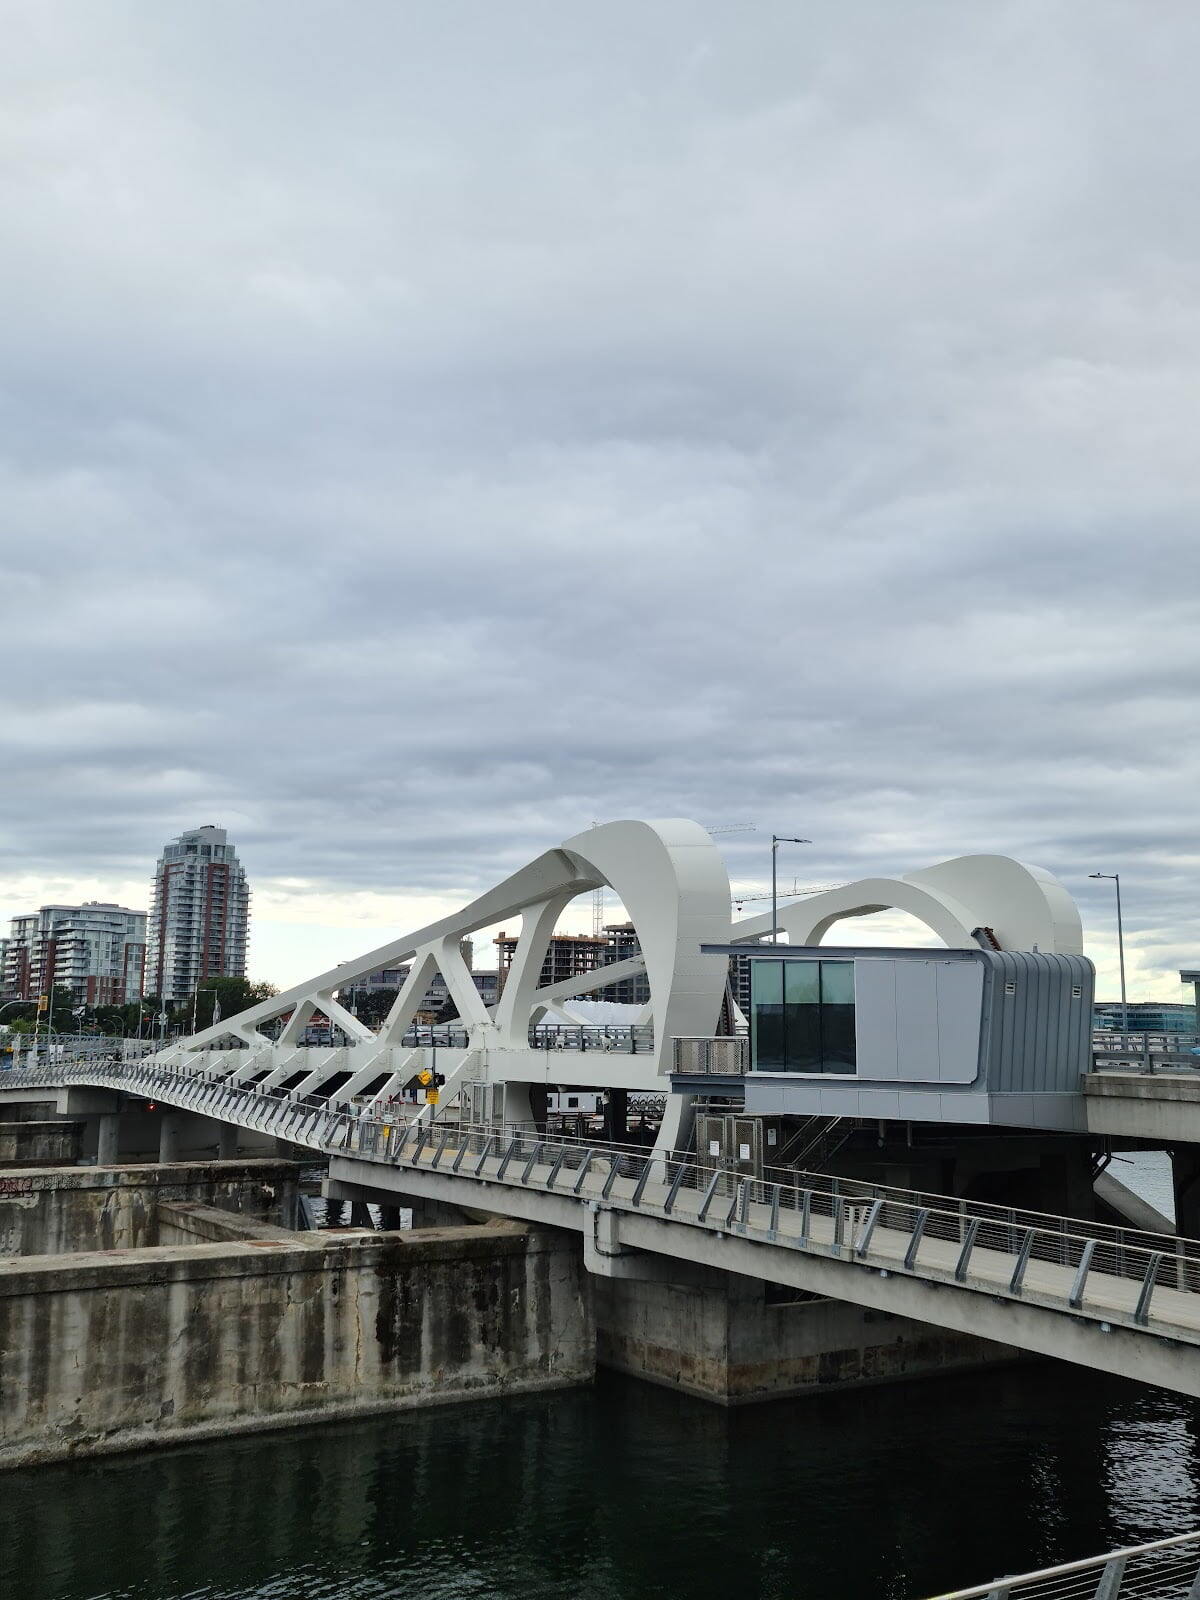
[1115, 877]
[776, 840]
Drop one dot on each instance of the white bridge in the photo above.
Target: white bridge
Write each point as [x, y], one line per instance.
[672, 881]
[1110, 1298]
[1105, 1297]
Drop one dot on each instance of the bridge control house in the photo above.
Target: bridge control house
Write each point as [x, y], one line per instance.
[931, 1036]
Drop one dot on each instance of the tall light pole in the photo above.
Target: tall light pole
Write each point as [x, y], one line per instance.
[1115, 877]
[776, 840]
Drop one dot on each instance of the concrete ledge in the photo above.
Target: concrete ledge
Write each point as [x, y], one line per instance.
[1161, 1107]
[1177, 1087]
[182, 1224]
[63, 1210]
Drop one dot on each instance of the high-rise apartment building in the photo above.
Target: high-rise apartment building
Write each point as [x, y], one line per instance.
[96, 950]
[199, 914]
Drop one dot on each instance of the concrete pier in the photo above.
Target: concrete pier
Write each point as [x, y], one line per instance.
[734, 1340]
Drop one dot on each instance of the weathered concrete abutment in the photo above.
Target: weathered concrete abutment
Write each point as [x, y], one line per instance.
[55, 1211]
[101, 1352]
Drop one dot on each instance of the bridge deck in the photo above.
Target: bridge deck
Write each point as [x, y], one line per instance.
[1112, 1298]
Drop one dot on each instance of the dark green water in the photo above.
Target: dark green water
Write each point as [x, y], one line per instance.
[625, 1491]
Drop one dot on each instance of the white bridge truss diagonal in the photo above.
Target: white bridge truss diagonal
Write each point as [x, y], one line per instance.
[672, 881]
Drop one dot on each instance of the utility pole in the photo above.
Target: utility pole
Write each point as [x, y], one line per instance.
[1115, 878]
[776, 840]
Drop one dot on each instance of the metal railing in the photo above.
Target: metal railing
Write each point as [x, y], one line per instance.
[1168, 1569]
[628, 1040]
[1146, 1281]
[1113, 1051]
[705, 1057]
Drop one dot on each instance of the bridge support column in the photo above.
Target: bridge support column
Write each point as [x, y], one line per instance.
[168, 1136]
[108, 1140]
[1185, 1180]
[734, 1340]
[616, 1116]
[227, 1142]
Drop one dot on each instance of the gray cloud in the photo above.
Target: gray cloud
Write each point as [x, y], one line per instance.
[425, 429]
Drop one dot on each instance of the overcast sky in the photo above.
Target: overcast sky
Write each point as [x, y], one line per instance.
[426, 427]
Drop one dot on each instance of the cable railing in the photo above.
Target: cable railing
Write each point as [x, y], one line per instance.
[1146, 1281]
[1129, 1282]
[1015, 1219]
[1168, 1569]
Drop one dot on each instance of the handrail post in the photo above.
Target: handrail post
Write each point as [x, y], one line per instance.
[1075, 1298]
[1142, 1311]
[614, 1167]
[531, 1163]
[640, 1187]
[773, 1224]
[914, 1244]
[508, 1155]
[805, 1217]
[557, 1167]
[868, 1229]
[1023, 1254]
[964, 1255]
[669, 1202]
[583, 1170]
[708, 1194]
[1109, 1586]
[485, 1152]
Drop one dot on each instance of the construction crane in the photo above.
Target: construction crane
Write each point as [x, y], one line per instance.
[739, 900]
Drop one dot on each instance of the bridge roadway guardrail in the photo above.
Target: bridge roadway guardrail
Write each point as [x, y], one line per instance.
[1145, 1281]
[1168, 1569]
[1145, 1052]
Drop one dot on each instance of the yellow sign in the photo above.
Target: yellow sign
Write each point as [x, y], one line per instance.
[431, 1097]
[425, 1077]
[43, 1002]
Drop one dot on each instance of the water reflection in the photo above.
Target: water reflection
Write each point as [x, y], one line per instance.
[625, 1491]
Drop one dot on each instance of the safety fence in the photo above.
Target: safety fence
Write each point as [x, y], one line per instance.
[1168, 1569]
[1145, 1280]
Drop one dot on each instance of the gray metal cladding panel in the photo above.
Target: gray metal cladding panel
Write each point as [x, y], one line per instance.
[875, 1020]
[1037, 1021]
[959, 1011]
[917, 1022]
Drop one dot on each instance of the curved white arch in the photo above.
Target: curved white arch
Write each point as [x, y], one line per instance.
[669, 876]
[1026, 907]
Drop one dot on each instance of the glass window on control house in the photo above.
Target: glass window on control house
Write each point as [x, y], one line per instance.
[802, 1016]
